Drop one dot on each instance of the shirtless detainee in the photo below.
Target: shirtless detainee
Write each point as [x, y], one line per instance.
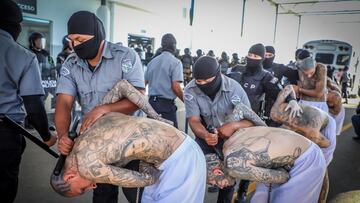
[334, 102]
[293, 165]
[177, 171]
[309, 124]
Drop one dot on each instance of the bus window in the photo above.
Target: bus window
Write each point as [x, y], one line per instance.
[343, 59]
[324, 58]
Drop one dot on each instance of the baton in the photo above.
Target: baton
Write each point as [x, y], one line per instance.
[72, 135]
[28, 135]
[219, 153]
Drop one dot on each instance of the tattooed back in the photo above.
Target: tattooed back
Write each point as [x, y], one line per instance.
[117, 139]
[266, 146]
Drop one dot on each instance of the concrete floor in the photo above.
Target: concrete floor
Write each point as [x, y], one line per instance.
[37, 166]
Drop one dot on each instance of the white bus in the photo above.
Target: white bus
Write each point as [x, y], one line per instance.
[336, 54]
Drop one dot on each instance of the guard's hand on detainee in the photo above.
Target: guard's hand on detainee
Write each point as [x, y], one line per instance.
[295, 109]
[52, 140]
[211, 138]
[92, 116]
[65, 145]
[227, 130]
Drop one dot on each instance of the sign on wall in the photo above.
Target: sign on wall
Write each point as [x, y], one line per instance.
[27, 6]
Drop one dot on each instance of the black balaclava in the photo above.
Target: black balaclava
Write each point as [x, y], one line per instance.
[10, 18]
[268, 62]
[168, 43]
[254, 66]
[86, 23]
[199, 52]
[204, 68]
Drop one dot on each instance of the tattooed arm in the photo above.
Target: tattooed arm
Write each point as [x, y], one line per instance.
[123, 89]
[258, 174]
[103, 173]
[277, 110]
[332, 85]
[241, 111]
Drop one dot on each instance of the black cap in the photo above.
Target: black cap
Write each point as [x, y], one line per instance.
[270, 49]
[205, 67]
[258, 49]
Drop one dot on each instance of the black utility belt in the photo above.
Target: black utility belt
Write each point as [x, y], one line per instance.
[154, 98]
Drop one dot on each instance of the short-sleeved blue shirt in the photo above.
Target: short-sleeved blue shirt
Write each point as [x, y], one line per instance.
[161, 72]
[214, 112]
[117, 63]
[19, 76]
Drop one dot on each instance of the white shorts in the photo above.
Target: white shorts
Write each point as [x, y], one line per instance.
[304, 185]
[183, 177]
[339, 119]
[329, 131]
[320, 105]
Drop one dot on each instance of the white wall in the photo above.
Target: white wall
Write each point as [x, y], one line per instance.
[59, 13]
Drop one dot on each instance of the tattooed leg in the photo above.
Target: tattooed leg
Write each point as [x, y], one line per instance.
[241, 112]
[123, 89]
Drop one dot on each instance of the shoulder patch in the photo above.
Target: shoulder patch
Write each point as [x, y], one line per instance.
[235, 100]
[274, 80]
[188, 97]
[126, 66]
[64, 71]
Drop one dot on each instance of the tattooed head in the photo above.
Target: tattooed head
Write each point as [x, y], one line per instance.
[59, 185]
[69, 183]
[215, 172]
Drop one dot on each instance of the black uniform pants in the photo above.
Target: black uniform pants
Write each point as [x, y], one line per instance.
[12, 145]
[165, 107]
[355, 119]
[344, 93]
[107, 193]
[225, 195]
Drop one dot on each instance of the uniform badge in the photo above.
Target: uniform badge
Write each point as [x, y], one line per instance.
[235, 100]
[188, 97]
[64, 71]
[274, 80]
[126, 66]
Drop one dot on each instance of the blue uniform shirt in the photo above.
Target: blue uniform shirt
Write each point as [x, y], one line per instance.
[161, 72]
[214, 112]
[117, 63]
[19, 76]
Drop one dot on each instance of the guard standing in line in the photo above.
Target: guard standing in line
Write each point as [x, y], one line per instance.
[209, 98]
[224, 63]
[235, 60]
[20, 84]
[95, 67]
[199, 53]
[278, 70]
[187, 62]
[164, 75]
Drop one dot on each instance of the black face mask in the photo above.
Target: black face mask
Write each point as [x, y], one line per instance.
[88, 49]
[211, 88]
[13, 29]
[253, 66]
[268, 62]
